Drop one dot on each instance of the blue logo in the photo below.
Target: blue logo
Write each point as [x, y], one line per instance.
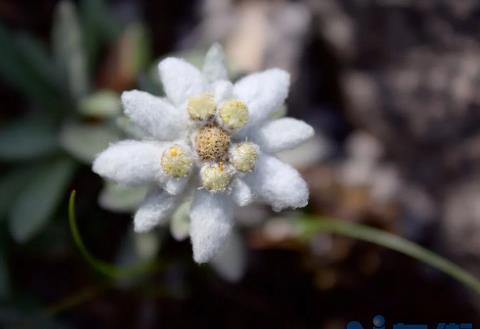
[378, 322]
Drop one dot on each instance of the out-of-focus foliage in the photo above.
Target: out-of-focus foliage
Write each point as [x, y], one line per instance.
[27, 139]
[68, 50]
[69, 118]
[72, 113]
[84, 141]
[39, 198]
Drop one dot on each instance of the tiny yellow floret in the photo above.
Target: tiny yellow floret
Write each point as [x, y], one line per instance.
[216, 177]
[201, 107]
[233, 114]
[176, 162]
[173, 151]
[244, 156]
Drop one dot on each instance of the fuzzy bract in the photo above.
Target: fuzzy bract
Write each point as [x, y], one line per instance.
[209, 144]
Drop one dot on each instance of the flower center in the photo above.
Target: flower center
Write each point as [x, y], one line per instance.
[212, 143]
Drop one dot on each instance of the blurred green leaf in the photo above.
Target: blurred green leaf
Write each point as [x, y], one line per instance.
[147, 244]
[135, 249]
[36, 203]
[180, 222]
[280, 112]
[39, 59]
[10, 186]
[103, 104]
[68, 49]
[120, 198]
[27, 138]
[24, 64]
[99, 26]
[129, 128]
[84, 141]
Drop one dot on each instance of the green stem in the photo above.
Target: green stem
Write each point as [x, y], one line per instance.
[100, 266]
[310, 226]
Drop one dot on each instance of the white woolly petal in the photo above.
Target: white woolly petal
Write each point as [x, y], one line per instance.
[263, 92]
[131, 162]
[157, 117]
[156, 209]
[180, 79]
[277, 183]
[230, 262]
[214, 67]
[175, 185]
[210, 223]
[222, 90]
[241, 193]
[282, 134]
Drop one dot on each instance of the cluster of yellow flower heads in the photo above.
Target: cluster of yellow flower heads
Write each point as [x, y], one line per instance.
[212, 143]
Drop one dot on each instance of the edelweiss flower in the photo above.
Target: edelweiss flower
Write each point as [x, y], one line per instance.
[211, 141]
